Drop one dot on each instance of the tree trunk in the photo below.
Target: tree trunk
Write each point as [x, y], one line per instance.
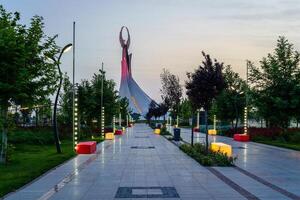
[192, 133]
[206, 132]
[4, 134]
[236, 125]
[36, 117]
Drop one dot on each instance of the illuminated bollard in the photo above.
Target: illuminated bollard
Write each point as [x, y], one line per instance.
[212, 132]
[109, 136]
[221, 147]
[157, 131]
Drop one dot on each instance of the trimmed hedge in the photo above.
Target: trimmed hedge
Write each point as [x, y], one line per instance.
[211, 159]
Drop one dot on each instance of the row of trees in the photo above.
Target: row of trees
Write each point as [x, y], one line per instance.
[28, 80]
[271, 93]
[89, 102]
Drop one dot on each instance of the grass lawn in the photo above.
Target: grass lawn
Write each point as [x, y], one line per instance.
[280, 144]
[30, 161]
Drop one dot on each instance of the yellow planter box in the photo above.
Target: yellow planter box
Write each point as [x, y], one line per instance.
[212, 132]
[157, 131]
[109, 136]
[221, 147]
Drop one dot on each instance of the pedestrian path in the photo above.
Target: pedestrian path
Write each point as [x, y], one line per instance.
[142, 165]
[264, 170]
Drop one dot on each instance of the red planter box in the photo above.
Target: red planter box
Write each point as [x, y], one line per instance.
[86, 147]
[241, 137]
[118, 132]
[196, 130]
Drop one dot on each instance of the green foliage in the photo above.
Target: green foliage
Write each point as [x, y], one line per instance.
[171, 91]
[89, 104]
[198, 152]
[185, 109]
[40, 136]
[276, 85]
[230, 103]
[66, 102]
[204, 85]
[26, 77]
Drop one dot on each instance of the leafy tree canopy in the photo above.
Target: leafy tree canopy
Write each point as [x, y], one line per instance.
[276, 84]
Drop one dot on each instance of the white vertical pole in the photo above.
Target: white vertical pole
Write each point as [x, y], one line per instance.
[114, 121]
[215, 121]
[75, 108]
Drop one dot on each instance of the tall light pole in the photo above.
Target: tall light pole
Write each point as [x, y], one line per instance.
[102, 107]
[75, 104]
[55, 129]
[246, 107]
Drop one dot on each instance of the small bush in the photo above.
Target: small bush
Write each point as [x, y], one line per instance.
[211, 159]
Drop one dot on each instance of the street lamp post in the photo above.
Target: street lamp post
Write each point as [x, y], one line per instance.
[55, 129]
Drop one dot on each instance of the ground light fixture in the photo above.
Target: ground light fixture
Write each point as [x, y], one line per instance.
[57, 63]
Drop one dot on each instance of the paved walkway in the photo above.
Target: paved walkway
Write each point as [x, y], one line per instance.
[142, 165]
[260, 167]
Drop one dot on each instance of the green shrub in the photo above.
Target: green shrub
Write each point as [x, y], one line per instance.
[211, 159]
[294, 137]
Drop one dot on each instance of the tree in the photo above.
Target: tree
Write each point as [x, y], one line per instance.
[185, 109]
[276, 84]
[204, 85]
[89, 100]
[25, 75]
[171, 91]
[231, 101]
[66, 100]
[124, 107]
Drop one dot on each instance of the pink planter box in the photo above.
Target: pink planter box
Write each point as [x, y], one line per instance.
[86, 147]
[241, 137]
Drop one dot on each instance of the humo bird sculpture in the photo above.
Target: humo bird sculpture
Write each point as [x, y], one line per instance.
[139, 101]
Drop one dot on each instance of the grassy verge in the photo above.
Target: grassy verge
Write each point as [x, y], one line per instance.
[211, 159]
[279, 144]
[29, 161]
